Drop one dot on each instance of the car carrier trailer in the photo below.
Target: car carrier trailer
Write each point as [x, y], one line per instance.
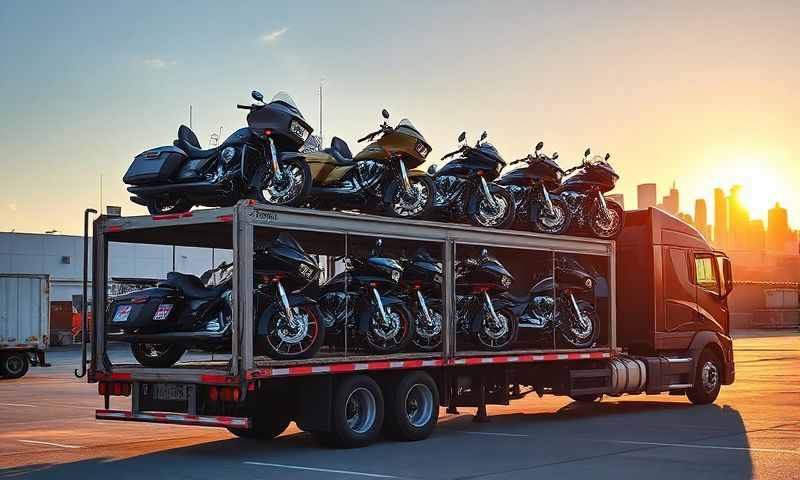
[664, 328]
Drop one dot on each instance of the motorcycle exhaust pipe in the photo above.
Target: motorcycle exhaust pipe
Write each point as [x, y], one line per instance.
[488, 194]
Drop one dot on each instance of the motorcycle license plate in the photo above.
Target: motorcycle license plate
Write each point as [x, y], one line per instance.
[121, 315]
[170, 391]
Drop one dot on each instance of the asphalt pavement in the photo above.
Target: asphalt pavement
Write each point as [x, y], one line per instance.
[48, 430]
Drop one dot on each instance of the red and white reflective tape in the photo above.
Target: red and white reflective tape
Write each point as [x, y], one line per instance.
[546, 357]
[343, 368]
[174, 418]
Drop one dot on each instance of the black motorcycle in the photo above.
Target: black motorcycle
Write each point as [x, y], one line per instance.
[482, 311]
[464, 186]
[357, 303]
[559, 306]
[584, 191]
[259, 161]
[184, 312]
[531, 187]
[422, 290]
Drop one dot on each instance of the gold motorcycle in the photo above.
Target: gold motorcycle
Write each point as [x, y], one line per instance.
[382, 174]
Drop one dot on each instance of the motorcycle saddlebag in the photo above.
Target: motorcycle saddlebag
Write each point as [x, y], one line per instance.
[151, 308]
[157, 165]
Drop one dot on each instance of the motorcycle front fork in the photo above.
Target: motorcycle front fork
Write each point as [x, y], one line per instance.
[276, 169]
[575, 307]
[603, 205]
[285, 303]
[490, 309]
[547, 201]
[424, 307]
[486, 193]
[379, 304]
[404, 175]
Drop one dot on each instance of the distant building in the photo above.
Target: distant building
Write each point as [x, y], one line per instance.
[671, 202]
[701, 217]
[646, 195]
[778, 233]
[739, 220]
[756, 236]
[720, 218]
[617, 197]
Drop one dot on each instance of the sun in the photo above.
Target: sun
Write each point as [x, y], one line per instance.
[761, 186]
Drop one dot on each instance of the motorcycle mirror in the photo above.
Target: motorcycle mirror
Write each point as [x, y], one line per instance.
[587, 152]
[539, 146]
[608, 155]
[462, 137]
[484, 135]
[257, 96]
[484, 253]
[555, 155]
[432, 169]
[385, 114]
[379, 243]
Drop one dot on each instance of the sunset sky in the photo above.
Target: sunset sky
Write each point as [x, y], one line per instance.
[702, 93]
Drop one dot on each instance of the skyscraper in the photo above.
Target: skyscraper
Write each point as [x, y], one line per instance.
[720, 218]
[756, 236]
[777, 228]
[646, 195]
[671, 202]
[701, 217]
[739, 220]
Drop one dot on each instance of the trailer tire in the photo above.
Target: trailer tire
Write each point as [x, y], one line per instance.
[357, 413]
[707, 379]
[412, 407]
[14, 365]
[589, 398]
[264, 427]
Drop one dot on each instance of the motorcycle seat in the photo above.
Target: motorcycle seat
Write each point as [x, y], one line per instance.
[340, 152]
[191, 286]
[187, 141]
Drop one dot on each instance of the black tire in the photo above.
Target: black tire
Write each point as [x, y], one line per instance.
[602, 227]
[478, 206]
[398, 342]
[556, 224]
[590, 398]
[412, 407]
[486, 342]
[423, 201]
[272, 343]
[296, 194]
[156, 355]
[14, 365]
[166, 207]
[264, 427]
[708, 379]
[357, 413]
[579, 337]
[425, 338]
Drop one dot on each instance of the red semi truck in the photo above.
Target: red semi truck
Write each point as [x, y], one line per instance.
[660, 292]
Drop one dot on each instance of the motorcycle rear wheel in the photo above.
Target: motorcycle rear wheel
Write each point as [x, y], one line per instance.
[291, 191]
[157, 355]
[416, 205]
[168, 206]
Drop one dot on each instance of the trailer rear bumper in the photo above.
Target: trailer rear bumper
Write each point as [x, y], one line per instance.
[175, 419]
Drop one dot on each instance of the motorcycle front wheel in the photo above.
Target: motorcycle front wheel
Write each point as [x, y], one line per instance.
[579, 332]
[483, 214]
[157, 355]
[556, 222]
[606, 226]
[497, 337]
[428, 335]
[393, 337]
[301, 338]
[290, 188]
[168, 206]
[413, 204]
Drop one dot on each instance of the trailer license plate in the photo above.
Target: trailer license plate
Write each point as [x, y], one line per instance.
[121, 315]
[170, 391]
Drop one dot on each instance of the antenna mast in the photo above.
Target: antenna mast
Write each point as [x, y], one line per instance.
[321, 142]
[190, 115]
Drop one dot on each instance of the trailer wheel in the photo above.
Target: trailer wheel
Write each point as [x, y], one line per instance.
[264, 427]
[157, 355]
[357, 414]
[590, 398]
[707, 379]
[14, 365]
[412, 407]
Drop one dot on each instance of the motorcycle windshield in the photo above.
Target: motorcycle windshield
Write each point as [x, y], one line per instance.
[405, 126]
[289, 241]
[287, 100]
[491, 152]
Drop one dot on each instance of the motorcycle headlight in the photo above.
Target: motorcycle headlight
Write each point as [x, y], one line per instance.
[505, 280]
[588, 283]
[422, 149]
[227, 154]
[298, 129]
[396, 275]
[305, 271]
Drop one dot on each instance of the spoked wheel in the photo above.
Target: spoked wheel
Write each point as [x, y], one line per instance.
[157, 355]
[167, 206]
[412, 407]
[482, 213]
[290, 188]
[394, 334]
[415, 203]
[497, 335]
[580, 332]
[556, 221]
[428, 333]
[298, 337]
[606, 224]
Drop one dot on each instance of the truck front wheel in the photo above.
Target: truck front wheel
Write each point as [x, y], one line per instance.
[707, 379]
[14, 365]
[357, 416]
[412, 407]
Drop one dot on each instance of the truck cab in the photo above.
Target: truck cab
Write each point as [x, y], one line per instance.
[672, 302]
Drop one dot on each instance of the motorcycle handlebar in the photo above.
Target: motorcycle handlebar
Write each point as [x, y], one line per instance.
[455, 152]
[245, 107]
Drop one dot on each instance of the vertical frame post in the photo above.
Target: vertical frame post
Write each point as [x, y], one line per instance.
[449, 324]
[99, 289]
[242, 347]
[612, 278]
